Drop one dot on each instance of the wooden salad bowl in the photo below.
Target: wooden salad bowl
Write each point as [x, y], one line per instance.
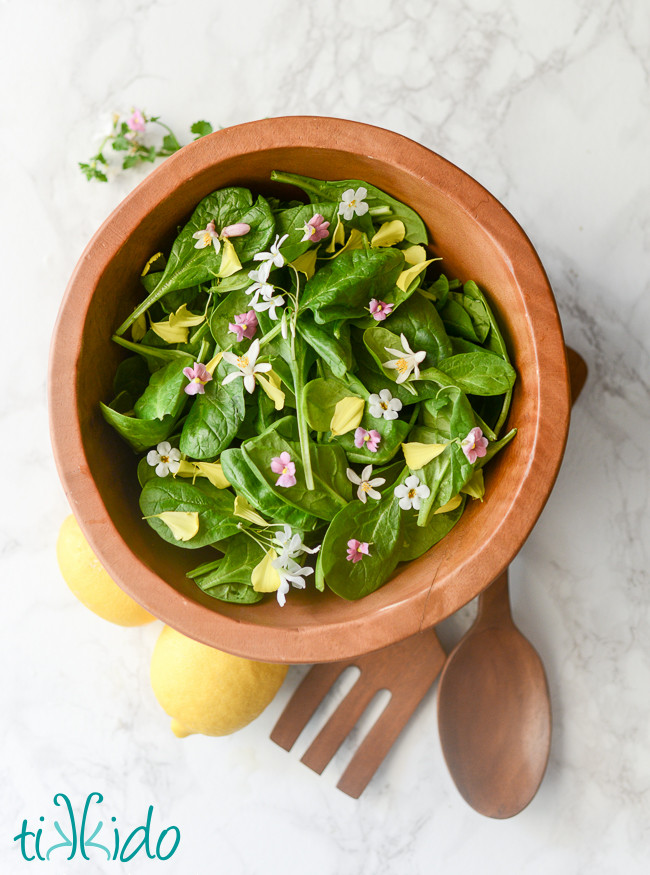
[477, 239]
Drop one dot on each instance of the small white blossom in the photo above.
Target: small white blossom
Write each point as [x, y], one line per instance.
[164, 458]
[384, 405]
[353, 202]
[272, 257]
[260, 286]
[207, 236]
[406, 362]
[411, 492]
[365, 484]
[247, 366]
[269, 304]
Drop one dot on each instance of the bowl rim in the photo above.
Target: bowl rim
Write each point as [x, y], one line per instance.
[334, 640]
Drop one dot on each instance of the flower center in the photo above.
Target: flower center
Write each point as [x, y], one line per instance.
[365, 486]
[242, 361]
[366, 437]
[164, 460]
[199, 380]
[285, 470]
[352, 203]
[402, 365]
[383, 405]
[206, 238]
[412, 493]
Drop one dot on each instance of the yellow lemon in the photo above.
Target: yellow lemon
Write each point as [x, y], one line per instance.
[206, 691]
[87, 579]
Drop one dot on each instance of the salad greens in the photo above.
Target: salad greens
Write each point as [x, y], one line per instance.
[308, 395]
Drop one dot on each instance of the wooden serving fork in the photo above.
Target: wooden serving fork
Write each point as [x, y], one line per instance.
[406, 669]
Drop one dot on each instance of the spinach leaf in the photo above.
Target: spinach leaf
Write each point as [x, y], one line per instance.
[291, 221]
[246, 482]
[379, 524]
[131, 377]
[224, 314]
[343, 288]
[165, 395]
[466, 316]
[229, 578]
[418, 320]
[187, 266]
[479, 373]
[155, 355]
[214, 506]
[140, 434]
[448, 416]
[416, 539]
[445, 476]
[214, 417]
[332, 489]
[335, 351]
[494, 447]
[236, 593]
[317, 189]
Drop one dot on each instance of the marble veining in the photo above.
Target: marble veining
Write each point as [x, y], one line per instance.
[547, 106]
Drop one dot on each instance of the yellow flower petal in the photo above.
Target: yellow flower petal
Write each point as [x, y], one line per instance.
[406, 277]
[170, 333]
[244, 510]
[348, 413]
[212, 364]
[306, 263]
[337, 237]
[230, 262]
[389, 234]
[417, 455]
[139, 328]
[184, 319]
[264, 577]
[475, 486]
[452, 504]
[182, 524]
[186, 469]
[214, 473]
[153, 258]
[271, 386]
[414, 254]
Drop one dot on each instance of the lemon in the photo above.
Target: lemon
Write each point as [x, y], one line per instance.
[206, 691]
[87, 579]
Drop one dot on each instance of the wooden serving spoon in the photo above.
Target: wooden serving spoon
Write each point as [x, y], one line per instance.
[494, 710]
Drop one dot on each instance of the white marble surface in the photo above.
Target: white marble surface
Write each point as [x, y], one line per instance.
[548, 105]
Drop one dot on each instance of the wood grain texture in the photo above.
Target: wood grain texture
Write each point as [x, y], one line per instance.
[476, 238]
[406, 669]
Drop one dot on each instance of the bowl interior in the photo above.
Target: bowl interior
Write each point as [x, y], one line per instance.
[476, 238]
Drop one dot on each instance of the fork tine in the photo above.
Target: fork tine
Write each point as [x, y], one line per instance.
[301, 707]
[340, 724]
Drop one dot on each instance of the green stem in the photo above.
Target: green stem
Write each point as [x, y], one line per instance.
[152, 351]
[303, 429]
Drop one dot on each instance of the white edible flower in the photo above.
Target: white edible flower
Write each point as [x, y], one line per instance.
[365, 484]
[164, 458]
[290, 573]
[384, 405]
[410, 493]
[209, 235]
[260, 286]
[269, 304]
[247, 367]
[272, 257]
[291, 545]
[353, 202]
[406, 362]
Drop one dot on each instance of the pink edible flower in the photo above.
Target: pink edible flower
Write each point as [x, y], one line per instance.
[237, 230]
[283, 466]
[369, 439]
[198, 376]
[474, 445]
[245, 325]
[379, 310]
[135, 121]
[315, 229]
[357, 550]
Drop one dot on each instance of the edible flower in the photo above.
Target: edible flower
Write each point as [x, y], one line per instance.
[357, 550]
[315, 229]
[260, 285]
[269, 304]
[389, 234]
[365, 484]
[136, 122]
[379, 310]
[210, 234]
[384, 405]
[290, 573]
[247, 367]
[348, 413]
[198, 377]
[164, 458]
[407, 361]
[291, 544]
[474, 445]
[410, 493]
[245, 325]
[272, 257]
[183, 524]
[353, 202]
[283, 466]
[370, 439]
